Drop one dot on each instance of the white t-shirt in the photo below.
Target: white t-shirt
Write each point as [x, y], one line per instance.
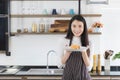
[64, 43]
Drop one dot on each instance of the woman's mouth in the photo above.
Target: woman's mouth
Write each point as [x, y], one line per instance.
[77, 33]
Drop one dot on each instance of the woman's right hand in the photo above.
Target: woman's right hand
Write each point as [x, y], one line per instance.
[68, 52]
[65, 56]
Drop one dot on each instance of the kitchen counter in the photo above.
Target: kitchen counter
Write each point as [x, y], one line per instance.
[21, 73]
[25, 74]
[19, 70]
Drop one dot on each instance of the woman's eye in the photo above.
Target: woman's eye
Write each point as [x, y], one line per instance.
[74, 26]
[80, 26]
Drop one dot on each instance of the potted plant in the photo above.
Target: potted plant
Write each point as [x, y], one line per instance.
[107, 55]
[97, 26]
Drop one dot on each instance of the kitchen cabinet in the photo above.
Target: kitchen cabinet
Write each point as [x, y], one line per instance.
[43, 77]
[10, 78]
[115, 77]
[52, 78]
[23, 75]
[59, 78]
[4, 26]
[101, 78]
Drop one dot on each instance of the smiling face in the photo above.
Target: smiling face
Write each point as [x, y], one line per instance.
[77, 28]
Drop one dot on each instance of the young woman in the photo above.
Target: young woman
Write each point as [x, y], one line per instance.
[76, 63]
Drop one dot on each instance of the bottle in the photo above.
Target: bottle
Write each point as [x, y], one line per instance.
[94, 62]
[99, 63]
[41, 27]
[25, 30]
[34, 27]
[47, 25]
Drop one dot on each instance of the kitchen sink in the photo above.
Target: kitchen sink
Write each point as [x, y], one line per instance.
[2, 68]
[45, 71]
[9, 71]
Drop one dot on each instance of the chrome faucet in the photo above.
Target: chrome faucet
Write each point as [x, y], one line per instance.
[48, 55]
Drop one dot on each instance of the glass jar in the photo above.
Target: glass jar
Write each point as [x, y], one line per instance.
[107, 64]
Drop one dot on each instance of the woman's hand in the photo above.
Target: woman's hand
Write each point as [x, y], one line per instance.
[68, 52]
[65, 56]
[85, 58]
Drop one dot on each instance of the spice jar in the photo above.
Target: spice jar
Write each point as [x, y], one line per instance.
[25, 30]
[19, 30]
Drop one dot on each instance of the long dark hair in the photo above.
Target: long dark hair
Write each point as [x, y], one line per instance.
[84, 35]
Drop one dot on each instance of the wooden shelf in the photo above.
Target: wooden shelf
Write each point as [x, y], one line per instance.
[45, 33]
[95, 33]
[91, 15]
[48, 33]
[37, 15]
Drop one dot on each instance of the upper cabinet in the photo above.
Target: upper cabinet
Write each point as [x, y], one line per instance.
[3, 7]
[4, 23]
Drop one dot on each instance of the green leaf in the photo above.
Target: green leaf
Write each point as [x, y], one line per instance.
[116, 56]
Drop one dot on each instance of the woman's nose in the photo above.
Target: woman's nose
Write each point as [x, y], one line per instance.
[77, 29]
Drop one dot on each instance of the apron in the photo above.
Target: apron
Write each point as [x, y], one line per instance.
[75, 68]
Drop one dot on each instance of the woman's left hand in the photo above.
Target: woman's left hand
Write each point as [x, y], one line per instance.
[85, 50]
